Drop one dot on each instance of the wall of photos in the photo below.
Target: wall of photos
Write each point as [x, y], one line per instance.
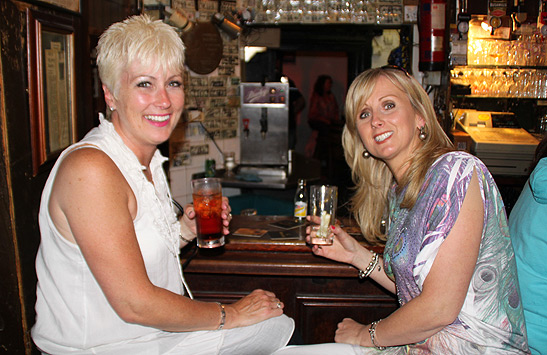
[212, 101]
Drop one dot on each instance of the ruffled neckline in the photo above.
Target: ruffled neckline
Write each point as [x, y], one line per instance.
[158, 197]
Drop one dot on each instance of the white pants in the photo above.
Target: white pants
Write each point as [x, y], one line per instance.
[263, 338]
[321, 349]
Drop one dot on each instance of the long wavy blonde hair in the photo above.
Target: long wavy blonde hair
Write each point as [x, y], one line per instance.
[371, 176]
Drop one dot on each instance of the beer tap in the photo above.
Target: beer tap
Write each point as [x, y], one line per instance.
[542, 17]
[463, 19]
[246, 127]
[518, 15]
[496, 10]
[264, 122]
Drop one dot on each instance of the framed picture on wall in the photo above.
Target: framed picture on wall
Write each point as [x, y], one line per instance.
[72, 5]
[51, 85]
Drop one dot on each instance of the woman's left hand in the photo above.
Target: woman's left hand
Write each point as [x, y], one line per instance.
[343, 249]
[188, 221]
[226, 215]
[351, 332]
[188, 228]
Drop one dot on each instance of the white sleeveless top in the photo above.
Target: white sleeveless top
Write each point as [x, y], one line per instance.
[73, 315]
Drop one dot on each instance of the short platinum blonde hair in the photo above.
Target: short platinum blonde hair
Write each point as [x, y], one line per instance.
[138, 38]
[372, 176]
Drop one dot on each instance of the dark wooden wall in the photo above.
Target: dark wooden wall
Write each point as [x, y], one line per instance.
[20, 189]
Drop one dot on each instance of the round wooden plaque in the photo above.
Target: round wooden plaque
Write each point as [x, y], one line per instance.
[203, 48]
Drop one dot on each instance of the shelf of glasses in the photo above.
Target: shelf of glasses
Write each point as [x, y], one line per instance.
[483, 81]
[459, 96]
[499, 66]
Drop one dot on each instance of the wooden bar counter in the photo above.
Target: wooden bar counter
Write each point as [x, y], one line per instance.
[318, 293]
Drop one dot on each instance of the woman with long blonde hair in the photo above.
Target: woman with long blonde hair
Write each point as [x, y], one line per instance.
[447, 255]
[372, 176]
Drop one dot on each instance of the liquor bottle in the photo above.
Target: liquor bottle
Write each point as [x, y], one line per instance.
[301, 200]
[210, 168]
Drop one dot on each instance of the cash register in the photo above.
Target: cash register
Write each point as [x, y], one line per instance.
[497, 140]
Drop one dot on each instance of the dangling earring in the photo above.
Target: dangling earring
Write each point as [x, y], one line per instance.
[366, 154]
[423, 134]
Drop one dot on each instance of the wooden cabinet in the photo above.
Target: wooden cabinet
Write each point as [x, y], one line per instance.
[318, 293]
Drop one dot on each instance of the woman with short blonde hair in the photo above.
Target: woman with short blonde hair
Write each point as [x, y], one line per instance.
[110, 279]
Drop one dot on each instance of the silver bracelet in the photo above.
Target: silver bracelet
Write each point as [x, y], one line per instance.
[370, 268]
[184, 239]
[372, 331]
[222, 316]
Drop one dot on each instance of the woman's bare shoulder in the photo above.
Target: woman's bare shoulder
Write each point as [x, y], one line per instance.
[87, 178]
[87, 161]
[89, 169]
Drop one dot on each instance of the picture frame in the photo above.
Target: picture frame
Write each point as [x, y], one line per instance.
[52, 96]
[72, 5]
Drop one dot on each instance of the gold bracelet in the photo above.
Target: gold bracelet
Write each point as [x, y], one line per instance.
[184, 239]
[222, 315]
[372, 331]
[370, 268]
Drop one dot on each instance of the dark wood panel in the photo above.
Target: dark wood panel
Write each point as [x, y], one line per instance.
[319, 315]
[318, 293]
[277, 263]
[14, 151]
[212, 287]
[317, 304]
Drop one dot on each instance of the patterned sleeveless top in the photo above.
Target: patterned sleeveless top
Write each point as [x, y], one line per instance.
[491, 319]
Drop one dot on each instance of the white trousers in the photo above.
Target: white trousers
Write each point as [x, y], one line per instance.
[321, 349]
[263, 338]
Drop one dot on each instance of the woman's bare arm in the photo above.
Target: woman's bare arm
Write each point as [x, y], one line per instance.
[444, 289]
[347, 250]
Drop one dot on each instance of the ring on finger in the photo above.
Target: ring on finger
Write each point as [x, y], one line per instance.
[278, 304]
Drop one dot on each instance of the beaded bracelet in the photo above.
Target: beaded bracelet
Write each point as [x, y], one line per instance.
[372, 331]
[370, 268]
[222, 315]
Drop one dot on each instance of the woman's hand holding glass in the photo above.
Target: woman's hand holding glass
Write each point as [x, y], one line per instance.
[344, 247]
[188, 220]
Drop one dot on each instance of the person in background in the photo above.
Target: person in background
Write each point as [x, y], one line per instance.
[109, 274]
[447, 256]
[323, 114]
[296, 104]
[529, 238]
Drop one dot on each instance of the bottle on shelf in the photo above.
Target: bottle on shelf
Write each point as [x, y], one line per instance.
[301, 201]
